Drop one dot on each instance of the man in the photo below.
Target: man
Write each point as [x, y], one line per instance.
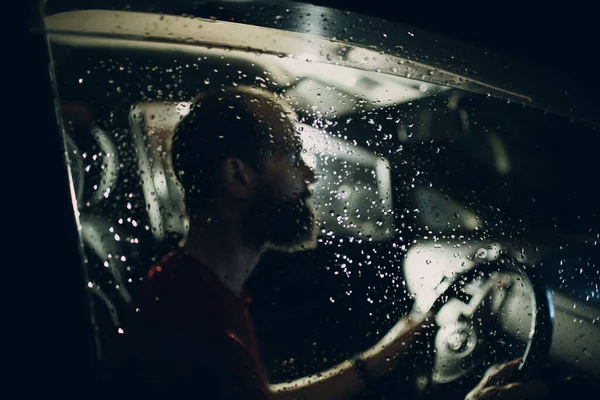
[238, 157]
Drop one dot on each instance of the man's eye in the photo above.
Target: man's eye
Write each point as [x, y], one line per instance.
[293, 159]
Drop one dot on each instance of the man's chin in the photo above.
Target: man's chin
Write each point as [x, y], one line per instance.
[303, 242]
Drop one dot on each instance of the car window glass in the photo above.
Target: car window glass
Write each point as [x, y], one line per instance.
[416, 182]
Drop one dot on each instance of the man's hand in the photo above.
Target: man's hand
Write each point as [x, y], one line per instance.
[383, 357]
[494, 385]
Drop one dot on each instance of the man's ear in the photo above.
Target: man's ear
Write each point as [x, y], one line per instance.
[239, 179]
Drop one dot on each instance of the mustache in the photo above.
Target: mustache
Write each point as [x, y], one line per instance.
[305, 199]
[306, 194]
[302, 196]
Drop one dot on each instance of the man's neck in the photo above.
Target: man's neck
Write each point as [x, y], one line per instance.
[223, 250]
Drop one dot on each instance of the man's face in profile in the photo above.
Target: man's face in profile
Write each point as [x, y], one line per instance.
[280, 210]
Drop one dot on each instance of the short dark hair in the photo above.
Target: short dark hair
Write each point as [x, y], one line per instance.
[220, 125]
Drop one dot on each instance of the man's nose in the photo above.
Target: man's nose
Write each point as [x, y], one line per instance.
[310, 176]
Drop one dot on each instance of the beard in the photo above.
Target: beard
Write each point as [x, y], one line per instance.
[284, 224]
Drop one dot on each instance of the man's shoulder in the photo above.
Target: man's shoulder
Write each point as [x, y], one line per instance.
[179, 333]
[169, 356]
[180, 299]
[176, 278]
[183, 341]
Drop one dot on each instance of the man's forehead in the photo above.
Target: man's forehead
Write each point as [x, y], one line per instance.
[286, 138]
[279, 123]
[282, 132]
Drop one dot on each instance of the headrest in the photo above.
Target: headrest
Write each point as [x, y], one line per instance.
[92, 150]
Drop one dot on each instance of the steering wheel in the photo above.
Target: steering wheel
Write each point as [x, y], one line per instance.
[470, 313]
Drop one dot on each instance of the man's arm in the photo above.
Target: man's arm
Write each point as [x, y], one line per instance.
[339, 382]
[343, 380]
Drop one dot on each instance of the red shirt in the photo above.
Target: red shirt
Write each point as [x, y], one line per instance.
[192, 328]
